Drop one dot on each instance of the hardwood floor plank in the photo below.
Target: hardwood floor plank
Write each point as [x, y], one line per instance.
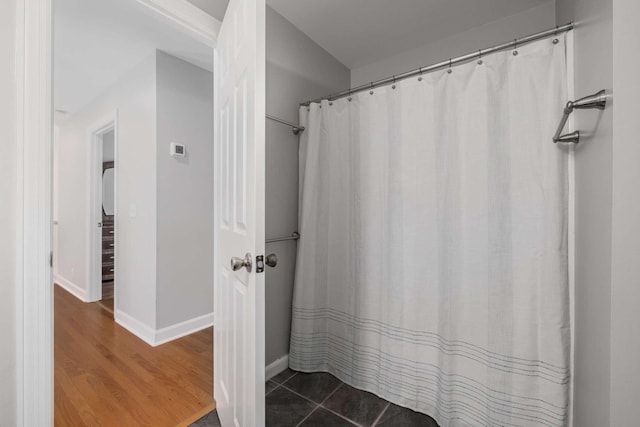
[69, 404]
[106, 376]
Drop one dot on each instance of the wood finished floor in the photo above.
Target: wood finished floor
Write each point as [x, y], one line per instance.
[106, 376]
[107, 304]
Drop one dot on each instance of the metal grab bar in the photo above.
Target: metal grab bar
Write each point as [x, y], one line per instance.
[595, 101]
[294, 128]
[294, 236]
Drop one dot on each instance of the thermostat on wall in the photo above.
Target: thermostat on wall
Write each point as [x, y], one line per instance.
[178, 150]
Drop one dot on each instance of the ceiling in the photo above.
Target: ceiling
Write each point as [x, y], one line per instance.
[361, 32]
[215, 8]
[98, 41]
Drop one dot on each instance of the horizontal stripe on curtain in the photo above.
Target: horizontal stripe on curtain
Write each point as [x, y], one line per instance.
[432, 268]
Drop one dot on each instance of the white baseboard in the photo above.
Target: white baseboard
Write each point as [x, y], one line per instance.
[276, 367]
[182, 329]
[136, 327]
[71, 287]
[161, 336]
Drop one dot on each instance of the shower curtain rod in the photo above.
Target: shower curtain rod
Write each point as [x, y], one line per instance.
[448, 63]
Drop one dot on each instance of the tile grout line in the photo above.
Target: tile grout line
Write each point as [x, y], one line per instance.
[278, 384]
[332, 393]
[341, 416]
[294, 374]
[274, 389]
[304, 397]
[281, 385]
[319, 405]
[308, 415]
[298, 394]
[381, 414]
[331, 410]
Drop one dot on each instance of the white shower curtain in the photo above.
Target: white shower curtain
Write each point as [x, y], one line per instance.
[433, 264]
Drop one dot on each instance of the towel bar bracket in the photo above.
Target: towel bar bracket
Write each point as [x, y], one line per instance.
[595, 101]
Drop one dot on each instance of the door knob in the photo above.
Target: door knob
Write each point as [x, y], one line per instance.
[271, 260]
[238, 263]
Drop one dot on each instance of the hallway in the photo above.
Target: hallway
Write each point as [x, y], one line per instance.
[105, 376]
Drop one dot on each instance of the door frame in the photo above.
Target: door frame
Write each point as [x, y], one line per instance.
[94, 206]
[34, 137]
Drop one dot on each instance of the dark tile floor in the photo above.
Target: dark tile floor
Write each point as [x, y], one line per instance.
[209, 420]
[320, 399]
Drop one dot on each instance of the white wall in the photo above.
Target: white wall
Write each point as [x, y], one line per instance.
[528, 22]
[185, 192]
[625, 288]
[134, 98]
[8, 207]
[593, 71]
[297, 70]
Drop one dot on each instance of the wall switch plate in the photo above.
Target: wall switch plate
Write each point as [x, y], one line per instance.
[178, 150]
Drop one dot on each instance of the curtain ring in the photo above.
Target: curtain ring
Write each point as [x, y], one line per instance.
[480, 57]
[393, 86]
[515, 47]
[420, 77]
[555, 35]
[371, 91]
[349, 98]
[449, 70]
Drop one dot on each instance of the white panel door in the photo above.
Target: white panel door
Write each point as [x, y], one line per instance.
[239, 214]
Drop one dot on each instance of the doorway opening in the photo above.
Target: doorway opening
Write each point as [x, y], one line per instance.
[133, 290]
[103, 227]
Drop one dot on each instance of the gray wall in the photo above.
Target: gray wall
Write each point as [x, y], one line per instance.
[594, 71]
[108, 147]
[184, 288]
[625, 315]
[215, 8]
[8, 208]
[297, 70]
[521, 24]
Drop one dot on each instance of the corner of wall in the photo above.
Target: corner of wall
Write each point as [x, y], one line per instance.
[276, 367]
[155, 337]
[184, 219]
[594, 173]
[9, 328]
[136, 327]
[183, 329]
[75, 290]
[625, 293]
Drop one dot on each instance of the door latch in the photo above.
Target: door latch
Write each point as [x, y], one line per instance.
[271, 261]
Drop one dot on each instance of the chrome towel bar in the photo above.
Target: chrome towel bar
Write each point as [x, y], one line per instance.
[296, 129]
[595, 101]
